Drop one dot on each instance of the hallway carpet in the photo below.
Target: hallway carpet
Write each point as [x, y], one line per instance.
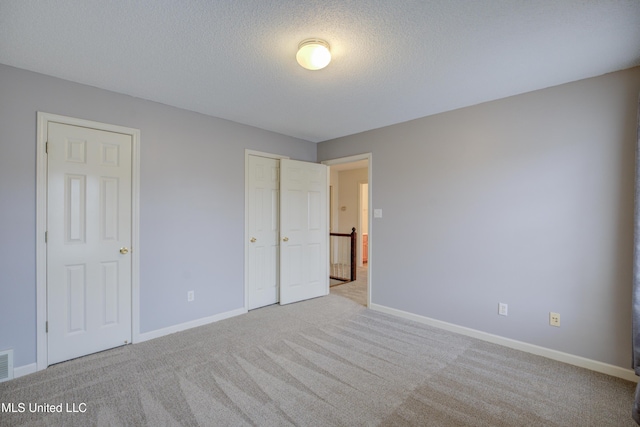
[357, 290]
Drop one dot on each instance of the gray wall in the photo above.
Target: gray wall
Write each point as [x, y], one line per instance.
[191, 206]
[526, 200]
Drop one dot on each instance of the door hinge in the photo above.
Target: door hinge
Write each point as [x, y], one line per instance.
[46, 327]
[45, 237]
[46, 147]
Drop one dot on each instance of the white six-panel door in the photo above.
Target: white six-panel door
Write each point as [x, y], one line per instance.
[88, 241]
[303, 230]
[263, 205]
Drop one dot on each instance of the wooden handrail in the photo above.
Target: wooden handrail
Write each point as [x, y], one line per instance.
[343, 234]
[353, 233]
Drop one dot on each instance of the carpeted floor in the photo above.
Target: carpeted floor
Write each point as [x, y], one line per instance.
[357, 290]
[327, 361]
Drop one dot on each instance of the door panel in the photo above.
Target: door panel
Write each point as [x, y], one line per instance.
[88, 221]
[76, 295]
[303, 230]
[264, 199]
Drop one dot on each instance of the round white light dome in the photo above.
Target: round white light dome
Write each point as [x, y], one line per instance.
[313, 54]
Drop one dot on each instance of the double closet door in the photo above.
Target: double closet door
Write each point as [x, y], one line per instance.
[287, 231]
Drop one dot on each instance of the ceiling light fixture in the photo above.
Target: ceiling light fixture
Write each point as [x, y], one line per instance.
[313, 54]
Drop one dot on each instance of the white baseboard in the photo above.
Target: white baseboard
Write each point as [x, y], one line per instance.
[146, 336]
[594, 365]
[21, 371]
[33, 367]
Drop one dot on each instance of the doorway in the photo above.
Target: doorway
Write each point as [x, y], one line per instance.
[350, 179]
[87, 226]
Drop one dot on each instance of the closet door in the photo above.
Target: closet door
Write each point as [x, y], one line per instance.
[89, 221]
[263, 205]
[304, 231]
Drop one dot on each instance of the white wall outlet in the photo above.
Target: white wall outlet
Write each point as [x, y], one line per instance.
[554, 319]
[503, 309]
[377, 213]
[190, 296]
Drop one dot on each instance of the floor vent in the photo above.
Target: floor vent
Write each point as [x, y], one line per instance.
[6, 365]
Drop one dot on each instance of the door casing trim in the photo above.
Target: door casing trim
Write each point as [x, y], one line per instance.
[43, 120]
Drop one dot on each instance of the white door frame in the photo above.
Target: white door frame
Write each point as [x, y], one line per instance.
[248, 153]
[351, 159]
[41, 225]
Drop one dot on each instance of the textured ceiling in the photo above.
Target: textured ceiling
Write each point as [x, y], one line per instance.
[393, 61]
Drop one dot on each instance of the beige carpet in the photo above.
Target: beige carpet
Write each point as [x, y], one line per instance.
[356, 291]
[323, 362]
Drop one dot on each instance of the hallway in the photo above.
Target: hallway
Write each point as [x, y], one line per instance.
[356, 290]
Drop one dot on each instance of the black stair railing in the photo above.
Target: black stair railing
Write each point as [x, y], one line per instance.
[343, 256]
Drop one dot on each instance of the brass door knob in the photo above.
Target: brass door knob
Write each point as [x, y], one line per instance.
[253, 240]
[124, 251]
[285, 239]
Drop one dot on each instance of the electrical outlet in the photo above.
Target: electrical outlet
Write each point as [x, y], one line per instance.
[503, 309]
[190, 296]
[554, 319]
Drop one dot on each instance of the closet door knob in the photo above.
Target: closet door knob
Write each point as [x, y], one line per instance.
[124, 251]
[253, 240]
[285, 239]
